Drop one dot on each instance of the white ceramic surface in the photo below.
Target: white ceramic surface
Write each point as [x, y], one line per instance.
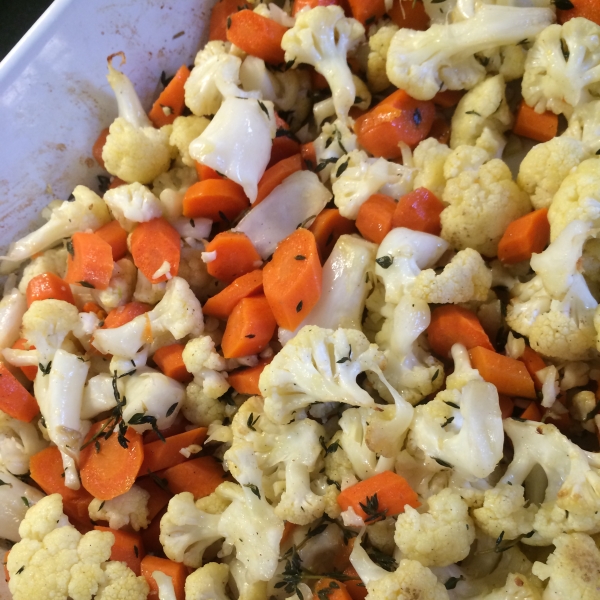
[54, 97]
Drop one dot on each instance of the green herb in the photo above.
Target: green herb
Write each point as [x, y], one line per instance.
[21, 570]
[385, 262]
[251, 422]
[192, 223]
[435, 376]
[324, 163]
[442, 463]
[451, 404]
[417, 118]
[102, 505]
[447, 422]
[370, 21]
[224, 218]
[250, 336]
[171, 409]
[162, 483]
[564, 4]
[86, 284]
[299, 257]
[25, 501]
[137, 552]
[342, 168]
[472, 112]
[318, 530]
[451, 583]
[4, 483]
[263, 108]
[103, 184]
[228, 22]
[371, 509]
[97, 446]
[70, 250]
[132, 372]
[290, 63]
[385, 561]
[299, 306]
[565, 49]
[142, 419]
[345, 358]
[45, 369]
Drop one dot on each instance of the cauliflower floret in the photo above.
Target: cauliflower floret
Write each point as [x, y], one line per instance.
[517, 587]
[19, 441]
[508, 61]
[322, 37]
[464, 158]
[584, 125]
[120, 287]
[51, 261]
[465, 278]
[14, 508]
[573, 569]
[529, 300]
[133, 203]
[429, 158]
[441, 536]
[481, 206]
[338, 466]
[170, 188]
[128, 508]
[379, 44]
[208, 583]
[561, 67]
[335, 140]
[424, 62]
[121, 583]
[199, 408]
[185, 131]
[148, 292]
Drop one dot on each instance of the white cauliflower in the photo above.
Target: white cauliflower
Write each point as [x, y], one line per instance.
[148, 292]
[481, 205]
[584, 125]
[14, 508]
[120, 287]
[517, 587]
[208, 582]
[13, 307]
[429, 158]
[130, 508]
[379, 44]
[133, 203]
[335, 140]
[322, 37]
[98, 396]
[170, 188]
[19, 441]
[50, 261]
[561, 69]
[529, 300]
[185, 131]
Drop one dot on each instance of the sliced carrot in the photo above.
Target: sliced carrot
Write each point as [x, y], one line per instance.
[309, 156]
[123, 314]
[397, 118]
[249, 328]
[215, 199]
[374, 220]
[277, 174]
[419, 210]
[300, 4]
[330, 589]
[452, 324]
[151, 535]
[533, 363]
[508, 374]
[90, 261]
[448, 98]
[169, 359]
[235, 256]
[116, 237]
[176, 571]
[532, 412]
[367, 10]
[440, 129]
[409, 14]
[525, 236]
[171, 102]
[284, 146]
[199, 476]
[327, 229]
[383, 495]
[161, 455]
[159, 497]
[257, 35]
[92, 307]
[245, 381]
[205, 172]
[48, 286]
[107, 469]
[292, 280]
[221, 305]
[355, 586]
[152, 244]
[115, 182]
[221, 11]
[15, 400]
[23, 344]
[507, 406]
[99, 145]
[531, 124]
[588, 9]
[128, 547]
[317, 81]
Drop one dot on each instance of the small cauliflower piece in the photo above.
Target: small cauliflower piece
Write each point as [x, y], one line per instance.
[50, 261]
[379, 44]
[429, 158]
[517, 587]
[120, 287]
[148, 292]
[481, 206]
[185, 131]
[584, 125]
[208, 583]
[335, 140]
[19, 441]
[133, 203]
[128, 508]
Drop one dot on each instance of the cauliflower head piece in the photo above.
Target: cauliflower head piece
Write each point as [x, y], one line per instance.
[379, 45]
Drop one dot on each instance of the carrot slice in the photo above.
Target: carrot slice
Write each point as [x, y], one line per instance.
[90, 261]
[48, 286]
[533, 363]
[23, 344]
[257, 35]
[123, 314]
[215, 199]
[309, 155]
[151, 535]
[588, 9]
[525, 236]
[115, 182]
[300, 4]
[116, 237]
[159, 497]
[508, 374]
[419, 210]
[276, 174]
[283, 147]
[235, 256]
[374, 220]
[199, 476]
[221, 305]
[171, 102]
[15, 400]
[292, 280]
[440, 129]
[161, 455]
[367, 10]
[99, 145]
[448, 98]
[327, 229]
[128, 548]
[397, 118]
[221, 11]
[169, 359]
[108, 469]
[507, 406]
[531, 124]
[249, 328]
[409, 14]
[532, 412]
[176, 571]
[330, 589]
[245, 381]
[383, 495]
[355, 586]
[152, 244]
[451, 324]
[205, 172]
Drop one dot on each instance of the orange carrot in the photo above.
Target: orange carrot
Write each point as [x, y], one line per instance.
[419, 210]
[409, 14]
[15, 400]
[525, 236]
[276, 174]
[115, 182]
[107, 469]
[293, 279]
[367, 10]
[215, 199]
[380, 496]
[161, 455]
[533, 363]
[355, 587]
[90, 261]
[153, 243]
[92, 307]
[151, 535]
[171, 102]
[588, 9]
[205, 172]
[223, 9]
[249, 328]
[532, 412]
[123, 314]
[99, 145]
[169, 359]
[397, 118]
[300, 4]
[506, 406]
[508, 374]
[48, 286]
[221, 305]
[23, 344]
[448, 98]
[327, 228]
[317, 82]
[451, 324]
[330, 589]
[440, 129]
[199, 476]
[159, 497]
[235, 256]
[531, 124]
[374, 220]
[116, 237]
[257, 35]
[128, 547]
[284, 144]
[245, 381]
[309, 155]
[176, 571]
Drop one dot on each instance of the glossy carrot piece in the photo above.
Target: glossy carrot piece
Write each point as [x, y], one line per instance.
[99, 145]
[301, 4]
[128, 547]
[419, 210]
[532, 412]
[171, 101]
[276, 175]
[327, 228]
[199, 476]
[540, 127]
[221, 305]
[330, 589]
[408, 14]
[47, 286]
[235, 256]
[221, 11]
[123, 314]
[245, 381]
[159, 497]
[161, 455]
[116, 237]
[15, 400]
[533, 363]
[525, 236]
[152, 244]
[90, 263]
[169, 359]
[220, 200]
[374, 220]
